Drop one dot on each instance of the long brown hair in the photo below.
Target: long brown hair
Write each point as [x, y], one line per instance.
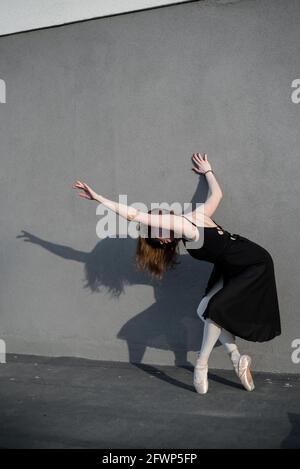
[154, 257]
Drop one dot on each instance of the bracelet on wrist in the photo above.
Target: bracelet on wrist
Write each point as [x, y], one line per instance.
[209, 170]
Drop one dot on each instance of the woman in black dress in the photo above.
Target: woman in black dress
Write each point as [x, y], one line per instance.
[240, 298]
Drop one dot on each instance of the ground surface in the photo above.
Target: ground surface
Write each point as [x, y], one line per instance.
[76, 403]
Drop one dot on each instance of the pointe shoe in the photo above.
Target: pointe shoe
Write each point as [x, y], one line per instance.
[200, 378]
[242, 369]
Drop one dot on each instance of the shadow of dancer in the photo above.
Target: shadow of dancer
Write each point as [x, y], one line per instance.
[171, 321]
[292, 440]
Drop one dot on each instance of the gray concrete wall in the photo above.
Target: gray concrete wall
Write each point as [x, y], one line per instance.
[122, 103]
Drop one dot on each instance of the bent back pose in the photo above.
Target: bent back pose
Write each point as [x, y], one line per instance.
[240, 297]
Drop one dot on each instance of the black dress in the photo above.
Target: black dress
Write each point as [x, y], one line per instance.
[247, 305]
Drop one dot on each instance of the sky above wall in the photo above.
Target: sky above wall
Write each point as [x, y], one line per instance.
[23, 15]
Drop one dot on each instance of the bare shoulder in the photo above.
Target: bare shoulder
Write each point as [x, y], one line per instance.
[190, 226]
[200, 218]
[195, 217]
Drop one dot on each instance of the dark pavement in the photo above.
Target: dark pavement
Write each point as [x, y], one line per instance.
[78, 403]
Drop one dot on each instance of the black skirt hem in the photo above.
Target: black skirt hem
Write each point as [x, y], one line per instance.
[258, 337]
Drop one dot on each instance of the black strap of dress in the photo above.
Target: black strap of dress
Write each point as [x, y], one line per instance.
[189, 220]
[217, 226]
[232, 235]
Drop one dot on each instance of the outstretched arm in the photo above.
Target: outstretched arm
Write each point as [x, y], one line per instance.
[177, 223]
[215, 192]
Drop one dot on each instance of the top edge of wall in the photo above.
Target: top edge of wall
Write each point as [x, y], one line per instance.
[153, 5]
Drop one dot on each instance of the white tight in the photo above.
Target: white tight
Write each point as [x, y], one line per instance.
[212, 332]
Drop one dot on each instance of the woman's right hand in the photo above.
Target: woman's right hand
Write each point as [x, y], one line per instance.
[201, 163]
[87, 193]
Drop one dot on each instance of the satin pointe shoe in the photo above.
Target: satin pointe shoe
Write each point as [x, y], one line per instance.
[242, 369]
[200, 378]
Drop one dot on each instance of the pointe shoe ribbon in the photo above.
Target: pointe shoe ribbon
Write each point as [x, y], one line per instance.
[200, 378]
[242, 370]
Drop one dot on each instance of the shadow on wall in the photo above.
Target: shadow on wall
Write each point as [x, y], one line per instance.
[169, 323]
